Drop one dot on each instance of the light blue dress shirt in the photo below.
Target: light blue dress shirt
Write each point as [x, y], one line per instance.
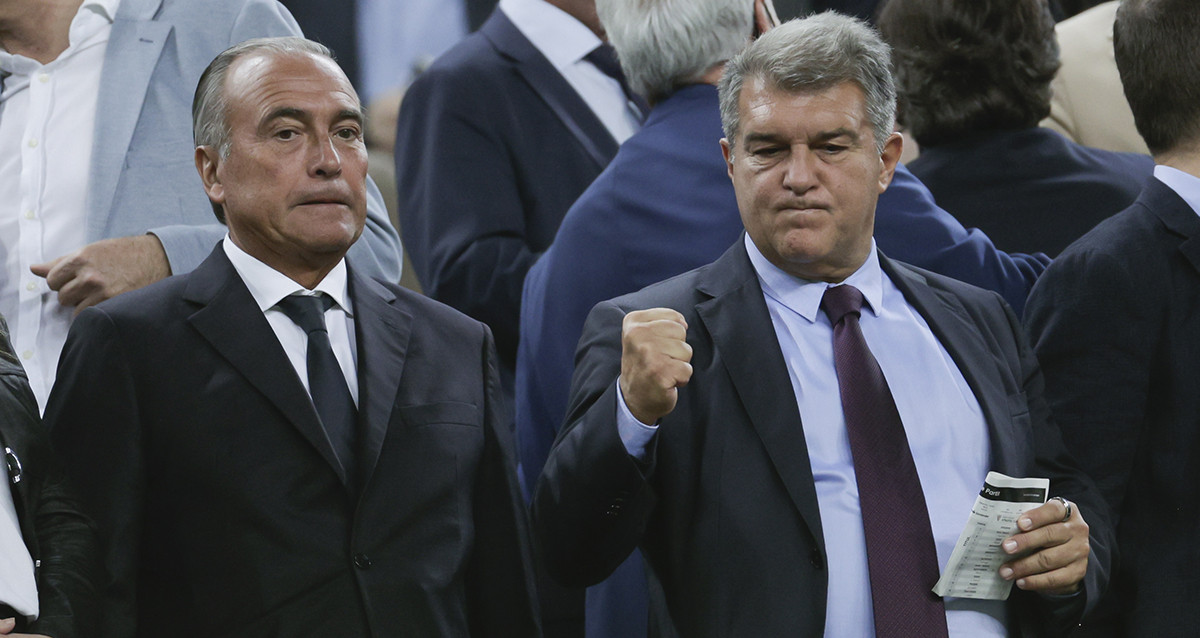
[942, 419]
[1184, 184]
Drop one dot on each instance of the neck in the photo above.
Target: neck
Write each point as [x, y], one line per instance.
[1184, 159]
[37, 29]
[714, 74]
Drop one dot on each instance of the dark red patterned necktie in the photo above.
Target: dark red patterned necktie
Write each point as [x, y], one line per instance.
[901, 554]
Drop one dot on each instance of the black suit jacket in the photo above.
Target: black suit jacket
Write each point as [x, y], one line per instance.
[1116, 325]
[726, 511]
[60, 539]
[493, 146]
[223, 508]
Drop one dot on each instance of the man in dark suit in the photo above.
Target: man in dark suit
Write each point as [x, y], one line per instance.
[705, 423]
[494, 143]
[49, 561]
[1115, 325]
[974, 110]
[274, 444]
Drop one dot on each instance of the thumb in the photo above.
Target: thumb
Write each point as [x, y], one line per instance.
[7, 625]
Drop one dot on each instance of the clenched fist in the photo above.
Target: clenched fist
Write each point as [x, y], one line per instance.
[655, 360]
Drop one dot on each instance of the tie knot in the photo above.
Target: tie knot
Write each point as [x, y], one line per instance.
[307, 311]
[840, 301]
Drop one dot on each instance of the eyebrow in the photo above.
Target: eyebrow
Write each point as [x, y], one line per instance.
[823, 136]
[301, 114]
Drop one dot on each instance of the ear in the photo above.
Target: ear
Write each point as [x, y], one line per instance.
[890, 157]
[208, 160]
[727, 152]
[765, 18]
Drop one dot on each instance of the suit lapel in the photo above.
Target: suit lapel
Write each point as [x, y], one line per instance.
[229, 319]
[977, 362]
[1177, 216]
[382, 329]
[743, 337]
[134, 47]
[552, 88]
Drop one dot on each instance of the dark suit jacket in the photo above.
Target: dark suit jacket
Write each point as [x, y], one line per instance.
[492, 147]
[1031, 190]
[1116, 325]
[60, 539]
[725, 510]
[223, 507]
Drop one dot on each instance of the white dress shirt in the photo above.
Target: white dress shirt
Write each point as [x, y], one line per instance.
[47, 117]
[565, 41]
[269, 286]
[18, 589]
[1184, 184]
[942, 419]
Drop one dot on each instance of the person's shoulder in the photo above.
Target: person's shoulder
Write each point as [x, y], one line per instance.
[969, 294]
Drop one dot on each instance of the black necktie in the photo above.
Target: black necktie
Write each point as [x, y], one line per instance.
[604, 58]
[901, 555]
[326, 383]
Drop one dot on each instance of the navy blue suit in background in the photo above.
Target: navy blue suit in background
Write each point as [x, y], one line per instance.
[493, 146]
[665, 206]
[1031, 190]
[1116, 328]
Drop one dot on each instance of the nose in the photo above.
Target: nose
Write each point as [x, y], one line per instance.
[799, 172]
[324, 159]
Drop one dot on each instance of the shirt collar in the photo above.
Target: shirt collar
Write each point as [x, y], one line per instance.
[92, 16]
[803, 296]
[1184, 184]
[559, 36]
[268, 286]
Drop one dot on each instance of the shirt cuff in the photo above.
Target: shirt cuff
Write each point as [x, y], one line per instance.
[634, 434]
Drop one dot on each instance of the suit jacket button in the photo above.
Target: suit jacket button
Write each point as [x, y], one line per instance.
[816, 559]
[362, 561]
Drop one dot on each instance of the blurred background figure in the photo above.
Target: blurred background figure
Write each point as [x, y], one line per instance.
[1088, 105]
[974, 81]
[49, 561]
[1116, 330]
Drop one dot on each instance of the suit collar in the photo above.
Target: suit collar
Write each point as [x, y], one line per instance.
[736, 317]
[1176, 215]
[134, 47]
[383, 326]
[976, 360]
[551, 87]
[229, 319]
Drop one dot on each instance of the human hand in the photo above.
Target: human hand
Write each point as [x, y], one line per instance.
[1056, 546]
[9, 624]
[654, 362]
[105, 269]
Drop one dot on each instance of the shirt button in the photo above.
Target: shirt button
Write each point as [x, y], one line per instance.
[29, 214]
[31, 286]
[33, 142]
[27, 355]
[43, 77]
[362, 561]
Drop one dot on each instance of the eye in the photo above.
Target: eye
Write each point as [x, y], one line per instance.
[286, 134]
[833, 149]
[348, 133]
[766, 151]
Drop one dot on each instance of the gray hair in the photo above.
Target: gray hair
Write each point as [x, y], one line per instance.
[665, 44]
[811, 55]
[209, 106]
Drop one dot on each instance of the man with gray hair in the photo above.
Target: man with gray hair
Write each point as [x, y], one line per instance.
[276, 444]
[828, 507]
